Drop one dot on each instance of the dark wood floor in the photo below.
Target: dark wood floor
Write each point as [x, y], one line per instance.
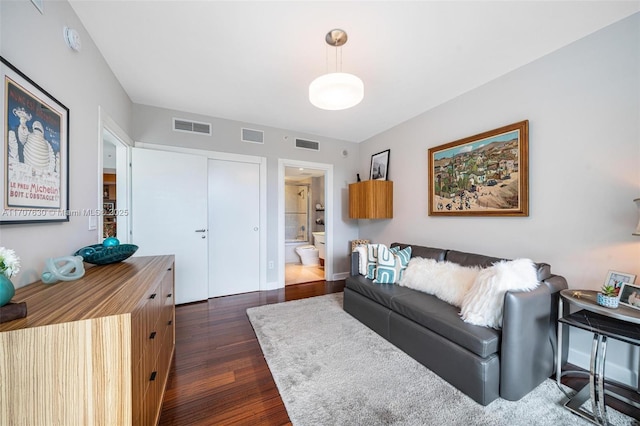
[218, 374]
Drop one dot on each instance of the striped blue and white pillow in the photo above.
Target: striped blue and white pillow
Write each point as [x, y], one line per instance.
[372, 259]
[391, 264]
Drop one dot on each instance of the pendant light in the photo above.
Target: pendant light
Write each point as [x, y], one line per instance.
[336, 90]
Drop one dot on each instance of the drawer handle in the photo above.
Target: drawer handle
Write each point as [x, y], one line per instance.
[152, 335]
[153, 296]
[153, 376]
[170, 322]
[169, 269]
[169, 295]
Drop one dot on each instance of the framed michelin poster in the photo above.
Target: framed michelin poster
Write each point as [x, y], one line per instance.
[481, 175]
[35, 152]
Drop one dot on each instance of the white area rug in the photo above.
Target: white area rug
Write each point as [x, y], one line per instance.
[331, 369]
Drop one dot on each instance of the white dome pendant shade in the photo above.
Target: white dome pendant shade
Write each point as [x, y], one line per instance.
[337, 90]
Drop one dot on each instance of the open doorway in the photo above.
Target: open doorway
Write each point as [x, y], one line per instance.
[305, 223]
[109, 186]
[115, 181]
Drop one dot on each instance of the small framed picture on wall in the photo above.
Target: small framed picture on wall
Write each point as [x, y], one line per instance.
[380, 166]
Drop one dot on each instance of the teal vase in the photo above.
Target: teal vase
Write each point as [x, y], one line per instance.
[7, 290]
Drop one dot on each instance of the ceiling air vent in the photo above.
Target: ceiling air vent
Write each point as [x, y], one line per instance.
[312, 145]
[180, 125]
[253, 136]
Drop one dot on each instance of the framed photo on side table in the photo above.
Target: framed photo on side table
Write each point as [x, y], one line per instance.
[630, 295]
[617, 279]
[380, 166]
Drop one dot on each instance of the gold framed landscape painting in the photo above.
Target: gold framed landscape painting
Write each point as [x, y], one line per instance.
[481, 175]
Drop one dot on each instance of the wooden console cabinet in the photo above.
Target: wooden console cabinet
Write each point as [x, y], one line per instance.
[371, 199]
[94, 351]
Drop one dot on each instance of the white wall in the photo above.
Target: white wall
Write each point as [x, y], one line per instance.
[81, 81]
[153, 125]
[583, 107]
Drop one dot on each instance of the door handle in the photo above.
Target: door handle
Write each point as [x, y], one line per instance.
[201, 230]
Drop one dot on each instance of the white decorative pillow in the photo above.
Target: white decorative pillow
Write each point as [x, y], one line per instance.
[447, 281]
[372, 260]
[362, 259]
[483, 304]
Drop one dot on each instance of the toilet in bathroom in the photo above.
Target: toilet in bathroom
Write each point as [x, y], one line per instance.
[309, 255]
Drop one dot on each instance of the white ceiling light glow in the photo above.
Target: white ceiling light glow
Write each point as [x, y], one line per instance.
[337, 90]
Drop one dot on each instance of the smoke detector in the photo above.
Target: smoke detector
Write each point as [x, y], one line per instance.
[72, 38]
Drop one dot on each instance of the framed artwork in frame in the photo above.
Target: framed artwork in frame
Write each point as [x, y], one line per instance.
[630, 295]
[380, 166]
[618, 279]
[35, 151]
[481, 175]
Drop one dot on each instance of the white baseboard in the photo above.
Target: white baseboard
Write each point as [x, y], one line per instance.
[273, 285]
[621, 369]
[340, 276]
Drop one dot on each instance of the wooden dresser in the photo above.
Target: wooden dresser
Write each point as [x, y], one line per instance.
[94, 351]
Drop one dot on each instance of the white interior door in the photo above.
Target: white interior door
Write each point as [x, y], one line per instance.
[169, 208]
[234, 220]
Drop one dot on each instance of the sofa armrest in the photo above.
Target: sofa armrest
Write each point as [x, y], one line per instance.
[526, 351]
[355, 263]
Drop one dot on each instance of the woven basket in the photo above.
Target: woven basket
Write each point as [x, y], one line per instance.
[97, 254]
[607, 301]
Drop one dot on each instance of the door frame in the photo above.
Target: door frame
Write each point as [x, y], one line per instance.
[225, 156]
[123, 176]
[328, 214]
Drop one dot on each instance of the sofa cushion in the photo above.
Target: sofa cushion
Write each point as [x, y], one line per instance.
[381, 293]
[391, 264]
[543, 270]
[471, 259]
[425, 252]
[443, 319]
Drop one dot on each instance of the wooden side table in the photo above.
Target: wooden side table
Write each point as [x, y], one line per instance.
[622, 323]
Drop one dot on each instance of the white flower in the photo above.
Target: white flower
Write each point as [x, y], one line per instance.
[9, 262]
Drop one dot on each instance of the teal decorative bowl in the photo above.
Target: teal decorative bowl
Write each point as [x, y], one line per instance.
[97, 254]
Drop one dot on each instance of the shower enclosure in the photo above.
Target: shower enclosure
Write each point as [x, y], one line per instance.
[296, 218]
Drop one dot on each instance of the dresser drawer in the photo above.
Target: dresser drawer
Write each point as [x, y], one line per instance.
[146, 320]
[154, 372]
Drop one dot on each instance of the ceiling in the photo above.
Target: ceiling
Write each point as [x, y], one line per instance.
[252, 61]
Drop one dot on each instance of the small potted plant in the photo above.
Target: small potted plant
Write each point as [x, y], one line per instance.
[608, 296]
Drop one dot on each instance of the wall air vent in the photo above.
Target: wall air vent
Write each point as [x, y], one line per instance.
[305, 144]
[253, 136]
[180, 125]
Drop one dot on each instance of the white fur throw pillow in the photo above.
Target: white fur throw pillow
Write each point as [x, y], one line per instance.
[362, 259]
[483, 304]
[446, 280]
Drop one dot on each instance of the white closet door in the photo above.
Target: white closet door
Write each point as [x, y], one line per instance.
[169, 208]
[234, 220]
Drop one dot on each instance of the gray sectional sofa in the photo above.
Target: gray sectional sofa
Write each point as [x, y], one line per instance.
[482, 362]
